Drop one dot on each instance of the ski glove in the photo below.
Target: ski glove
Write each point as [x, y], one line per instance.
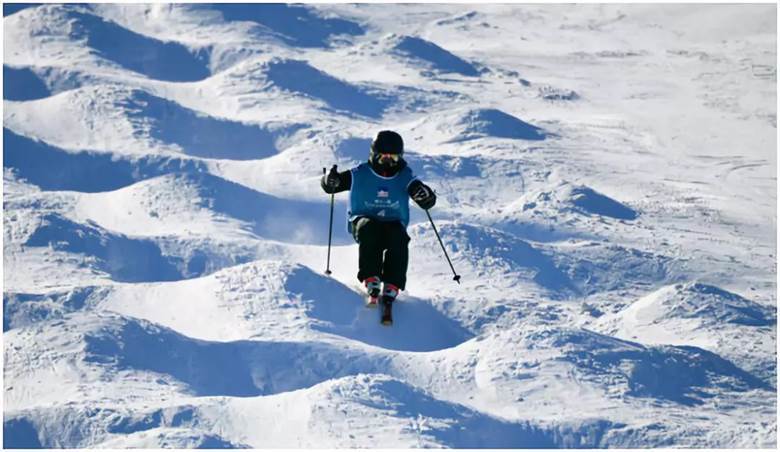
[332, 181]
[423, 196]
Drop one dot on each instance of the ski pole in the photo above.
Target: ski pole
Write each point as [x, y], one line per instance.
[456, 278]
[330, 226]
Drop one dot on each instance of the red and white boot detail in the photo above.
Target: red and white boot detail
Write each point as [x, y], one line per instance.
[373, 287]
[391, 291]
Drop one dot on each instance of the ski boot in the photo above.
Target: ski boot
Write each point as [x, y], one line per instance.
[388, 297]
[372, 286]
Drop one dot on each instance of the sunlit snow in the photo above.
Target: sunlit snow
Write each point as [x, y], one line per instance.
[606, 180]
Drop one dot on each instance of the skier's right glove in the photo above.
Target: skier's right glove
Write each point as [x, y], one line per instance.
[331, 181]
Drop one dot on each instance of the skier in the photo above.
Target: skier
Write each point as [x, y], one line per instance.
[379, 214]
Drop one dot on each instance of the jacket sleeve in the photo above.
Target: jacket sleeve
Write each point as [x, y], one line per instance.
[345, 182]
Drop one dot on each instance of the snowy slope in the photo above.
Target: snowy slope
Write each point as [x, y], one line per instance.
[607, 185]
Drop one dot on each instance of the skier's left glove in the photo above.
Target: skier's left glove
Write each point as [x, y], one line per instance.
[423, 196]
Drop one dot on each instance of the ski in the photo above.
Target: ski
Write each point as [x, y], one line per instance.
[387, 311]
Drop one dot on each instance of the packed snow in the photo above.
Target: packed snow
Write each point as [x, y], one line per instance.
[606, 181]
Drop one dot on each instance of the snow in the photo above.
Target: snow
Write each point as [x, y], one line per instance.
[606, 181]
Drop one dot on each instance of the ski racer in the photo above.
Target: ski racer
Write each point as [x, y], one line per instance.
[379, 214]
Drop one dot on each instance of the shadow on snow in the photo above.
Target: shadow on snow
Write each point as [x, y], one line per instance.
[155, 59]
[125, 259]
[52, 168]
[22, 84]
[679, 374]
[200, 135]
[295, 25]
[433, 56]
[495, 123]
[22, 309]
[286, 220]
[338, 310]
[299, 77]
[11, 8]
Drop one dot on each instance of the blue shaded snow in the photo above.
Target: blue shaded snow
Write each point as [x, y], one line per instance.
[169, 61]
[52, 168]
[21, 309]
[338, 310]
[20, 433]
[679, 374]
[434, 56]
[125, 259]
[485, 123]
[594, 202]
[296, 25]
[715, 306]
[200, 135]
[22, 84]
[299, 77]
[11, 8]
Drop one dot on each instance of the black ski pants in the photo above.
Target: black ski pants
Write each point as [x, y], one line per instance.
[384, 250]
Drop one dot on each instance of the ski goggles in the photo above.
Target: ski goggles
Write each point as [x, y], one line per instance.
[383, 156]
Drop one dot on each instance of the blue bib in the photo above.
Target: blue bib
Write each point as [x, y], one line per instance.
[378, 197]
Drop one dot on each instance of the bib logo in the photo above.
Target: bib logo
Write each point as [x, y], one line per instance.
[383, 193]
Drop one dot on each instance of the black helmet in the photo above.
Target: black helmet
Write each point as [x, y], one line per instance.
[387, 142]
